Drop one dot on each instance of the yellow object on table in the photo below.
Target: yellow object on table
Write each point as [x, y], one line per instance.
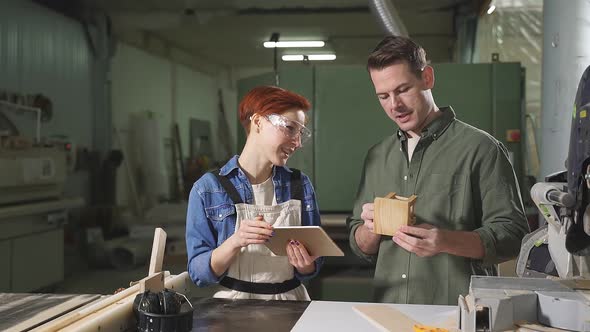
[424, 328]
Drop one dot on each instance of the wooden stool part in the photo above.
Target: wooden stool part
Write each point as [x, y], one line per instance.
[393, 211]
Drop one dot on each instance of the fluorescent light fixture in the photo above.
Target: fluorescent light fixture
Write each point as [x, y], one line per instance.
[302, 43]
[311, 57]
[322, 57]
[491, 9]
[294, 57]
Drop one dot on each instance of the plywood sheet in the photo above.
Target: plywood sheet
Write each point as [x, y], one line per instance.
[21, 312]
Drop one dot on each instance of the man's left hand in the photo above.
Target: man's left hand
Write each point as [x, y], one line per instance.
[424, 240]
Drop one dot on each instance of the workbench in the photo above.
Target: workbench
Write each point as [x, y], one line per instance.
[299, 316]
[240, 315]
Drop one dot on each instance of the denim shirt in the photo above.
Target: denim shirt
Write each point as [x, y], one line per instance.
[211, 216]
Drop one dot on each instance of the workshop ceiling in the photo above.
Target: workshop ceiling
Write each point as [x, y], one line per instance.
[231, 32]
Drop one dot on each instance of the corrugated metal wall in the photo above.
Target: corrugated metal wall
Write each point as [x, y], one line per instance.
[44, 52]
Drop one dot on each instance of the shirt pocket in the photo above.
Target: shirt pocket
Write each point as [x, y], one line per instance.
[308, 204]
[219, 213]
[442, 200]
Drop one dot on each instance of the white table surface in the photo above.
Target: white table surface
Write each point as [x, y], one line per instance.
[340, 316]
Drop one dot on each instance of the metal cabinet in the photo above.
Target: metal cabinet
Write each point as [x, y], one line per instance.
[38, 261]
[5, 255]
[32, 244]
[489, 96]
[349, 121]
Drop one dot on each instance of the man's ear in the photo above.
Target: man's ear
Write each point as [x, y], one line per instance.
[428, 77]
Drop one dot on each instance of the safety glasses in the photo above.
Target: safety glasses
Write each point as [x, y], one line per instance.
[290, 128]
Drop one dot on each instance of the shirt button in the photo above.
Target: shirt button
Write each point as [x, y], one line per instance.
[404, 276]
[405, 177]
[221, 215]
[308, 206]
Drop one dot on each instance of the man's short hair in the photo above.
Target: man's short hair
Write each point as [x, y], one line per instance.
[395, 49]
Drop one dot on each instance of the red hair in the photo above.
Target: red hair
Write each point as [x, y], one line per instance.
[265, 100]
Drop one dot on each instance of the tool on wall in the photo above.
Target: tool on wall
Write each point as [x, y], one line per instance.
[223, 131]
[178, 192]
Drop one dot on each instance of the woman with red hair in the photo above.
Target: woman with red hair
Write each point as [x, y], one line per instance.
[232, 212]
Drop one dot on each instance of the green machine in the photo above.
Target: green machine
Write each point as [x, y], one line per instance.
[347, 120]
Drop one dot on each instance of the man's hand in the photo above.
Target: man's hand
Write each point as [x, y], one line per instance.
[300, 258]
[424, 240]
[255, 231]
[367, 215]
[367, 241]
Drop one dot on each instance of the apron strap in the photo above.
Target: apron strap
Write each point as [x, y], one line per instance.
[260, 287]
[229, 188]
[296, 185]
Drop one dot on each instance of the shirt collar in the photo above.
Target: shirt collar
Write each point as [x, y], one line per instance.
[229, 166]
[232, 164]
[437, 127]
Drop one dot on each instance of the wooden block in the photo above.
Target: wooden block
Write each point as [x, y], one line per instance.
[153, 283]
[391, 212]
[385, 317]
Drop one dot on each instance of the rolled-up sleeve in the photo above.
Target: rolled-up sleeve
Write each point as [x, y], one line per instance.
[364, 195]
[504, 222]
[200, 241]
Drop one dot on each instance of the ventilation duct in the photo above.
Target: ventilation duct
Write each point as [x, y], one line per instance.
[388, 17]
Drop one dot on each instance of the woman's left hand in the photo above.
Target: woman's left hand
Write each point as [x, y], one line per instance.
[300, 258]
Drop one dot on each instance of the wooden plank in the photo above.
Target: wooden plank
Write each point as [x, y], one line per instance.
[68, 319]
[119, 316]
[158, 248]
[526, 326]
[386, 318]
[124, 297]
[21, 312]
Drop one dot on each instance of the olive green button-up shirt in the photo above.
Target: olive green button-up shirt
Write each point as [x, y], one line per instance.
[465, 182]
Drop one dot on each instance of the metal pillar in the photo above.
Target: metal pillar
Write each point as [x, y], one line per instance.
[566, 54]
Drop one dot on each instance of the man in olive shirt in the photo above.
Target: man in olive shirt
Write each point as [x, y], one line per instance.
[469, 213]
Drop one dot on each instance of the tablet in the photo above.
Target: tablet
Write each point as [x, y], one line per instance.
[314, 238]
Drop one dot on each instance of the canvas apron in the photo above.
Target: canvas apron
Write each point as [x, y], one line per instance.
[257, 273]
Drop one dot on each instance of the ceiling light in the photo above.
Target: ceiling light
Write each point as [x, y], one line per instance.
[491, 9]
[322, 57]
[311, 57]
[302, 43]
[294, 57]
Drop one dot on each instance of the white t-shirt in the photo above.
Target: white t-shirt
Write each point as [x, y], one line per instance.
[412, 142]
[264, 193]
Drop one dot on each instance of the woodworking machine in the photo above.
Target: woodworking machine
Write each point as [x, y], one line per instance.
[554, 261]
